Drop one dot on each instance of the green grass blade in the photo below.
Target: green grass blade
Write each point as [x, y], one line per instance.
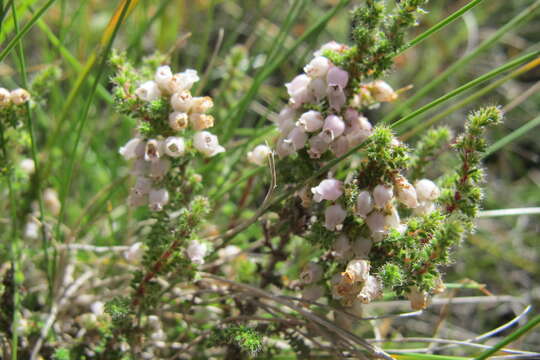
[420, 94]
[509, 212]
[118, 18]
[24, 30]
[510, 338]
[441, 24]
[467, 86]
[514, 135]
[413, 356]
[469, 99]
[238, 112]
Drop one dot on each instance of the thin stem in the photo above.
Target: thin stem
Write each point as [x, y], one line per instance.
[441, 24]
[420, 94]
[467, 86]
[510, 338]
[34, 154]
[499, 144]
[510, 212]
[24, 30]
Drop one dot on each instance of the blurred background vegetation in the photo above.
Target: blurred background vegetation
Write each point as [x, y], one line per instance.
[232, 42]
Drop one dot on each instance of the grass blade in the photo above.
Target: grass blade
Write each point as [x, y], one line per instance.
[510, 338]
[467, 86]
[441, 24]
[420, 94]
[514, 135]
[25, 29]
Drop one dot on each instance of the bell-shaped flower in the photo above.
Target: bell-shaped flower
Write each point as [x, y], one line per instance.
[178, 120]
[259, 155]
[328, 189]
[133, 149]
[426, 190]
[162, 77]
[311, 273]
[196, 252]
[158, 169]
[317, 146]
[342, 248]
[310, 121]
[382, 194]
[157, 199]
[297, 138]
[174, 146]
[207, 143]
[148, 91]
[153, 150]
[298, 90]
[182, 101]
[201, 121]
[333, 217]
[364, 203]
[318, 67]
[19, 96]
[336, 97]
[333, 127]
[337, 77]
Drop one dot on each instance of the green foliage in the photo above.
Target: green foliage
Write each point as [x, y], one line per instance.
[245, 338]
[120, 311]
[62, 354]
[427, 149]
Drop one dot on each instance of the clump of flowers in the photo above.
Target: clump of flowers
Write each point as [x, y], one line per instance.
[324, 111]
[159, 141]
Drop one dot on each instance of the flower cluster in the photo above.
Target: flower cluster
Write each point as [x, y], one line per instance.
[323, 113]
[16, 97]
[153, 156]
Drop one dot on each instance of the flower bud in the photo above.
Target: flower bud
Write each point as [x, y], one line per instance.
[158, 169]
[333, 217]
[259, 155]
[342, 248]
[207, 143]
[318, 67]
[196, 252]
[337, 77]
[426, 190]
[163, 76]
[333, 127]
[311, 273]
[134, 252]
[310, 121]
[153, 150]
[158, 198]
[382, 194]
[382, 92]
[201, 104]
[329, 189]
[174, 146]
[148, 91]
[351, 114]
[142, 186]
[178, 120]
[336, 97]
[364, 204]
[406, 193]
[5, 97]
[182, 101]
[297, 138]
[19, 96]
[424, 208]
[359, 130]
[313, 292]
[201, 121]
